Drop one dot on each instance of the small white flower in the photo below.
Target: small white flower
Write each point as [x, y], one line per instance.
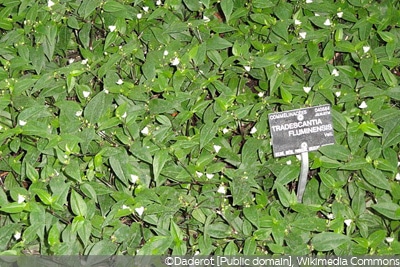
[158, 3]
[206, 19]
[397, 177]
[278, 65]
[199, 174]
[338, 93]
[303, 35]
[330, 216]
[124, 115]
[84, 62]
[145, 130]
[209, 175]
[106, 91]
[348, 222]
[112, 28]
[363, 105]
[197, 253]
[366, 48]
[225, 130]
[335, 72]
[217, 148]
[166, 53]
[125, 207]
[50, 3]
[21, 122]
[146, 8]
[253, 130]
[307, 89]
[17, 235]
[339, 14]
[297, 22]
[21, 199]
[222, 189]
[247, 68]
[260, 94]
[298, 157]
[389, 239]
[120, 81]
[78, 113]
[134, 178]
[309, 1]
[317, 14]
[327, 22]
[86, 94]
[139, 211]
[71, 60]
[289, 162]
[139, 15]
[175, 61]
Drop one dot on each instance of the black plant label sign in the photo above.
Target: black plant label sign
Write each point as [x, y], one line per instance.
[301, 130]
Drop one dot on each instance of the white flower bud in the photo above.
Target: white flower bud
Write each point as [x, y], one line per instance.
[139, 211]
[222, 189]
[134, 178]
[363, 105]
[86, 94]
[112, 28]
[327, 22]
[145, 130]
[217, 148]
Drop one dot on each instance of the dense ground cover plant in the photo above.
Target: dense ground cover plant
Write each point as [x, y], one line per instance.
[140, 127]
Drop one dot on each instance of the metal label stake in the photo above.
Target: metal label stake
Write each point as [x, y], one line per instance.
[303, 176]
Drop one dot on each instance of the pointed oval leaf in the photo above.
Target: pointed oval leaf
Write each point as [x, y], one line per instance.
[327, 241]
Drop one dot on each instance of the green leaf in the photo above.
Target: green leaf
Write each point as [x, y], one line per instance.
[276, 80]
[389, 78]
[78, 205]
[328, 241]
[44, 196]
[156, 245]
[73, 170]
[218, 230]
[13, 207]
[240, 190]
[227, 7]
[250, 246]
[31, 172]
[87, 7]
[54, 235]
[375, 178]
[199, 215]
[96, 108]
[376, 238]
[207, 133]
[176, 232]
[113, 6]
[160, 158]
[288, 174]
[388, 209]
[370, 129]
[366, 66]
[284, 195]
[393, 92]
[335, 151]
[252, 214]
[217, 43]
[103, 247]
